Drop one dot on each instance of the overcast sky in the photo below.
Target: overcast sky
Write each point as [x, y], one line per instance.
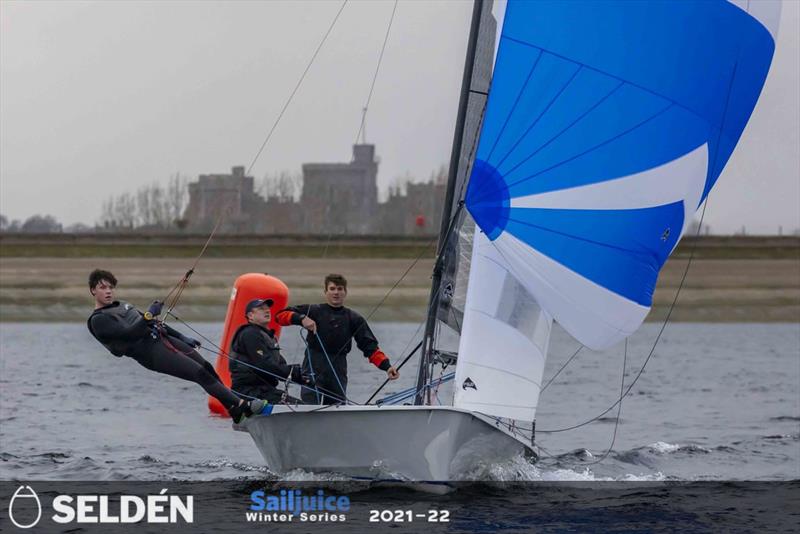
[99, 98]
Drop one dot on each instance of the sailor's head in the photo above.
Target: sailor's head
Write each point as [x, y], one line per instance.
[101, 286]
[335, 290]
[257, 311]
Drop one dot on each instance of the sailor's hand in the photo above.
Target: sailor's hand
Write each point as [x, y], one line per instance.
[192, 342]
[309, 324]
[297, 375]
[155, 308]
[392, 373]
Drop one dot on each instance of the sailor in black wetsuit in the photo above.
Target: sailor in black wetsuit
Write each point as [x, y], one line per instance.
[125, 331]
[257, 365]
[336, 327]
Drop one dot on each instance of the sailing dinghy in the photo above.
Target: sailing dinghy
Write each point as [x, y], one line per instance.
[603, 126]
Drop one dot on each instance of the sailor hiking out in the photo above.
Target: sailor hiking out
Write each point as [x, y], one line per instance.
[332, 327]
[257, 365]
[125, 331]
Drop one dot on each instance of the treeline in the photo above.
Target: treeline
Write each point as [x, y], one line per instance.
[157, 207]
[152, 207]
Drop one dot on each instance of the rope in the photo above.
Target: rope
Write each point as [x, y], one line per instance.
[172, 298]
[177, 290]
[308, 359]
[410, 392]
[224, 353]
[391, 289]
[619, 410]
[655, 343]
[330, 363]
[375, 77]
[677, 293]
[296, 87]
[419, 327]
[410, 354]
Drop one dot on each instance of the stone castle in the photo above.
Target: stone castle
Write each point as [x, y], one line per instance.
[336, 199]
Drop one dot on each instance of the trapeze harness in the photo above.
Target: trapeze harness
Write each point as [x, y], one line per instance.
[122, 329]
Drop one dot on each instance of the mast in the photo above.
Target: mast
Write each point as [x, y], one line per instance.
[447, 210]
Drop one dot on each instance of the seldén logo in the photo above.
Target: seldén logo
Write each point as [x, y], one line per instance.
[25, 508]
[23, 498]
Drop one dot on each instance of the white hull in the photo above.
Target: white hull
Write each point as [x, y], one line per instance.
[420, 443]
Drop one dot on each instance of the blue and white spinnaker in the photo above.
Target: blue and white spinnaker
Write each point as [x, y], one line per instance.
[607, 124]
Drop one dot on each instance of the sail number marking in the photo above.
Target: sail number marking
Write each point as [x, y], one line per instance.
[408, 516]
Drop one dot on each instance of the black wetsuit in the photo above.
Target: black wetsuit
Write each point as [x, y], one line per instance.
[257, 365]
[336, 327]
[124, 332]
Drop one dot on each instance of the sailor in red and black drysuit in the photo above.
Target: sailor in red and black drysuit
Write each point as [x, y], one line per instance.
[336, 326]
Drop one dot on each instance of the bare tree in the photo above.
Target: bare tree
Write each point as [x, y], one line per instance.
[125, 211]
[143, 211]
[149, 200]
[108, 217]
[177, 196]
[153, 206]
[283, 186]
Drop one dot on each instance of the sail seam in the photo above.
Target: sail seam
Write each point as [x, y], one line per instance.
[569, 126]
[539, 117]
[514, 106]
[599, 71]
[591, 149]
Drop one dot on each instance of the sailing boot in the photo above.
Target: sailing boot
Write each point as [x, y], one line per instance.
[247, 409]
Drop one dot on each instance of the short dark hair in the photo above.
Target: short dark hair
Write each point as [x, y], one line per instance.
[98, 275]
[337, 279]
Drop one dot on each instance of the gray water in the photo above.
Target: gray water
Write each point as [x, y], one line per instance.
[716, 402]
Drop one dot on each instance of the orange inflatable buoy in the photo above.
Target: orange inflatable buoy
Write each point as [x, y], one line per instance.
[246, 288]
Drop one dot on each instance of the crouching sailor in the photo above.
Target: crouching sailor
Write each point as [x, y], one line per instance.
[257, 365]
[125, 331]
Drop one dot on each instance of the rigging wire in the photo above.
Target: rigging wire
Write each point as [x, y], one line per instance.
[405, 360]
[174, 295]
[229, 357]
[561, 369]
[317, 389]
[451, 227]
[375, 76]
[362, 126]
[297, 86]
[422, 252]
[680, 286]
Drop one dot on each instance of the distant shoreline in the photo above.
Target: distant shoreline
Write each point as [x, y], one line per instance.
[741, 279]
[142, 245]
